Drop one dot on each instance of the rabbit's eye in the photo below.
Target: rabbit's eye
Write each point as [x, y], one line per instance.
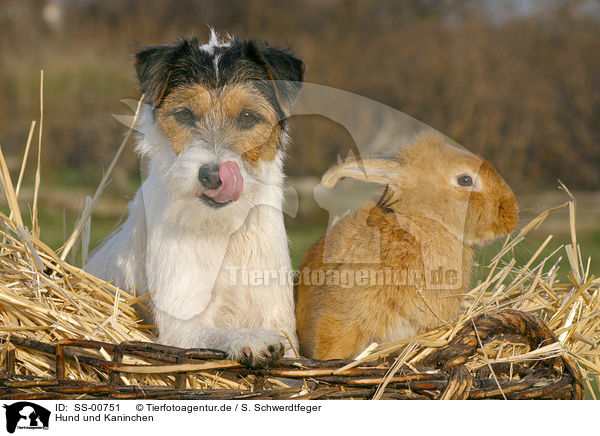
[464, 180]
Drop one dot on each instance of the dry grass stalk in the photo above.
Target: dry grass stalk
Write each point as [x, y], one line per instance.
[24, 161]
[87, 212]
[34, 210]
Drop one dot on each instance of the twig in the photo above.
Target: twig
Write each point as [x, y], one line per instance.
[487, 360]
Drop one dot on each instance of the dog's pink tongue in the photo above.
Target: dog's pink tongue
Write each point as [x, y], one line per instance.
[231, 186]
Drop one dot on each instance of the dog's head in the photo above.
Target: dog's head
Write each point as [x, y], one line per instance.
[220, 110]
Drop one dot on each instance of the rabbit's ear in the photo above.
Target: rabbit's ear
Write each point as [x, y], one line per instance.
[374, 169]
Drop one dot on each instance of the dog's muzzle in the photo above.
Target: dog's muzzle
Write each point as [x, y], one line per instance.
[222, 184]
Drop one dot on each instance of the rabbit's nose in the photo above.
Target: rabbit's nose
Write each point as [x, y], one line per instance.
[509, 214]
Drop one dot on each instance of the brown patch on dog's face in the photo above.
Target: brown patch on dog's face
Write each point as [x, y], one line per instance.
[235, 116]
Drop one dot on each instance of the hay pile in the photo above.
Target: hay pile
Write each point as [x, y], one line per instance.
[44, 298]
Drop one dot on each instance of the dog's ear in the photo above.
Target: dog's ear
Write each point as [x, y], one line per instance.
[152, 65]
[285, 70]
[289, 72]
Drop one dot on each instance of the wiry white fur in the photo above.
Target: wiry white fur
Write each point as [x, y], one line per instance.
[180, 249]
[214, 42]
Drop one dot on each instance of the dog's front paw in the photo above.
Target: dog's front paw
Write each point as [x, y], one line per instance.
[257, 348]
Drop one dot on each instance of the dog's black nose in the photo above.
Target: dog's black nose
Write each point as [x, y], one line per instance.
[209, 176]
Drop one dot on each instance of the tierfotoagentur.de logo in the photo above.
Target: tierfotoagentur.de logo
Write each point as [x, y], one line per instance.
[26, 415]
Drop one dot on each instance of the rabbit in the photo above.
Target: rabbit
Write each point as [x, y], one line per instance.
[400, 265]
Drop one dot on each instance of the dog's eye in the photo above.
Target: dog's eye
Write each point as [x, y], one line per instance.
[464, 180]
[248, 119]
[184, 115]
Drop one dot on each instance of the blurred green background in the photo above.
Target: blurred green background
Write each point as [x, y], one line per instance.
[516, 81]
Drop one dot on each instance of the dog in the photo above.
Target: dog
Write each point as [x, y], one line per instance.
[214, 133]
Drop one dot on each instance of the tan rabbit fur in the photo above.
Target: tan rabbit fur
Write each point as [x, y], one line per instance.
[425, 226]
